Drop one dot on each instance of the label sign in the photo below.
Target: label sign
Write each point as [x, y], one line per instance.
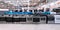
[57, 18]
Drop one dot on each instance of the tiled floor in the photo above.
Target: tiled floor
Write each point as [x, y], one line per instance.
[29, 26]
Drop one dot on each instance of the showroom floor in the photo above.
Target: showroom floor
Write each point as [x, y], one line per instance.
[29, 26]
[10, 26]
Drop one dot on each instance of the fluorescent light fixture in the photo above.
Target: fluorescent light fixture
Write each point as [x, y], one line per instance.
[4, 9]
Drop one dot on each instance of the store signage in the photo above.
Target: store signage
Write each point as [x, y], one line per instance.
[57, 18]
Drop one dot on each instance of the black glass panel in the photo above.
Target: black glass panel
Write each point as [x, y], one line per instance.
[16, 20]
[22, 19]
[36, 20]
[8, 19]
[2, 18]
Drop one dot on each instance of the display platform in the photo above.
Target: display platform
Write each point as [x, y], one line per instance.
[23, 19]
